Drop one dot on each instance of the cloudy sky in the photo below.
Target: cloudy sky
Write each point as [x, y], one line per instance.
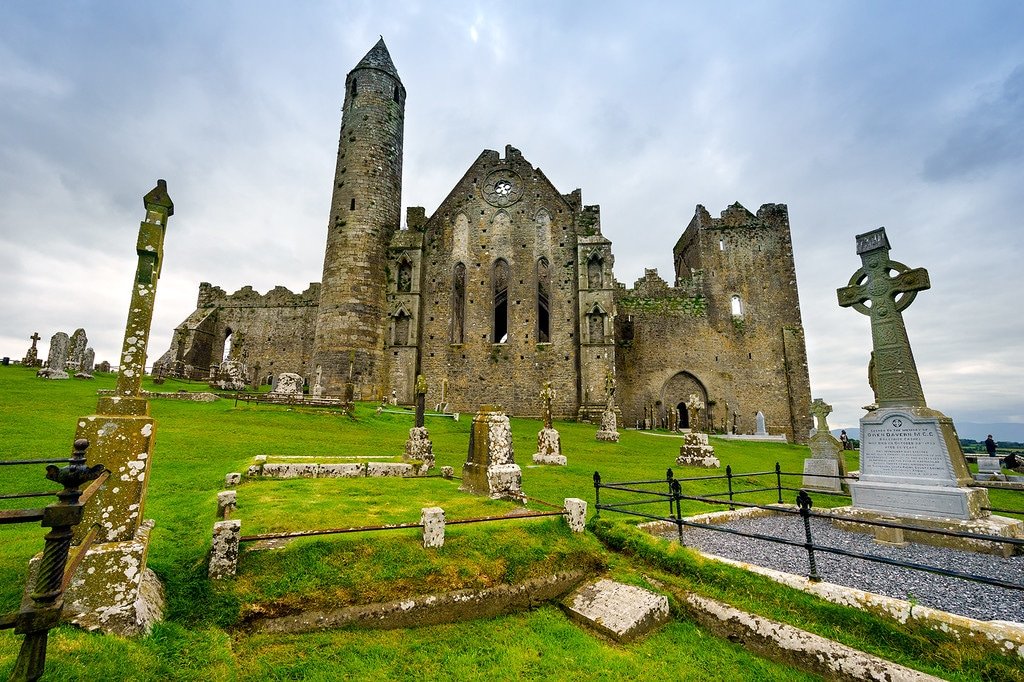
[855, 114]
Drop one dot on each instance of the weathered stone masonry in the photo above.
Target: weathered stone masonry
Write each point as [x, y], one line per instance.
[509, 284]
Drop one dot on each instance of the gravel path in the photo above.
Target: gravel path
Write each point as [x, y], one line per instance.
[954, 595]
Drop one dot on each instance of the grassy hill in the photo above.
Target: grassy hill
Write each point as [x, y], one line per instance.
[205, 636]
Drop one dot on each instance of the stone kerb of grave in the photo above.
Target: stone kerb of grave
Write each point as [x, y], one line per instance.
[57, 358]
[265, 466]
[490, 467]
[288, 384]
[911, 464]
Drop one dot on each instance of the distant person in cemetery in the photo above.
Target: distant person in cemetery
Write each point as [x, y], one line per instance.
[845, 440]
[990, 445]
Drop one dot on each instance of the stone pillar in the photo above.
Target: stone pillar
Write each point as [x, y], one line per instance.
[224, 552]
[233, 479]
[491, 468]
[576, 514]
[227, 503]
[112, 593]
[432, 519]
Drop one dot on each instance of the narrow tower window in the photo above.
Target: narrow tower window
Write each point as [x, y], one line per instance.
[352, 204]
[543, 312]
[226, 353]
[737, 307]
[500, 301]
[595, 279]
[721, 245]
[397, 95]
[458, 303]
[352, 89]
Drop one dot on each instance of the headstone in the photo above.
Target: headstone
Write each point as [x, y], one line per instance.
[549, 444]
[57, 358]
[911, 464]
[288, 384]
[105, 594]
[622, 612]
[88, 361]
[575, 514]
[491, 468]
[224, 552]
[759, 420]
[103, 366]
[824, 448]
[76, 349]
[31, 358]
[230, 376]
[609, 431]
[990, 469]
[227, 502]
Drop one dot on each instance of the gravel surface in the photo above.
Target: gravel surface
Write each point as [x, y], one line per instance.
[954, 595]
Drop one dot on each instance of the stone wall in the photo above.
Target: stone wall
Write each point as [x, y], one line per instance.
[477, 227]
[673, 339]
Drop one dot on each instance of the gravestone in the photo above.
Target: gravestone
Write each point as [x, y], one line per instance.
[103, 366]
[288, 384]
[31, 358]
[696, 451]
[57, 359]
[911, 464]
[230, 376]
[491, 468]
[88, 361]
[419, 448]
[759, 421]
[990, 469]
[76, 349]
[549, 444]
[826, 453]
[609, 431]
[112, 590]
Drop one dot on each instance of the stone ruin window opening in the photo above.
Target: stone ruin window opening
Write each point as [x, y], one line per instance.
[405, 276]
[737, 307]
[543, 301]
[353, 88]
[226, 353]
[595, 276]
[269, 381]
[397, 95]
[352, 204]
[682, 416]
[500, 278]
[595, 325]
[458, 303]
[721, 245]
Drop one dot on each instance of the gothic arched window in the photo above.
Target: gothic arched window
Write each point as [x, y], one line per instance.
[458, 303]
[543, 301]
[500, 280]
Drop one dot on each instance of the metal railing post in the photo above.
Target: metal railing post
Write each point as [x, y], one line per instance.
[778, 480]
[669, 478]
[728, 478]
[677, 492]
[803, 500]
[597, 494]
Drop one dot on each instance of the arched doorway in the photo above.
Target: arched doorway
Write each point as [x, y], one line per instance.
[677, 390]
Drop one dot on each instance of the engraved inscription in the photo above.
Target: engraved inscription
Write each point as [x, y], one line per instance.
[900, 447]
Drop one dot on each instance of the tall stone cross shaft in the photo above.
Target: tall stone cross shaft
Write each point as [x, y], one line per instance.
[150, 248]
[874, 292]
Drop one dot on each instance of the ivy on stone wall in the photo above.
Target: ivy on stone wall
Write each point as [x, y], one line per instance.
[696, 306]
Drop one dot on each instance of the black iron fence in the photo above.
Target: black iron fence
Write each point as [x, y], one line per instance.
[42, 612]
[645, 493]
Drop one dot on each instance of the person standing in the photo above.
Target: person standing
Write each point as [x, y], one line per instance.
[990, 446]
[845, 440]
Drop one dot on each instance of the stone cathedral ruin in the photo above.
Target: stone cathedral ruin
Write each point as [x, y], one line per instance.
[510, 284]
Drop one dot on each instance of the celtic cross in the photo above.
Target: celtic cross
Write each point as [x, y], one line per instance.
[875, 292]
[821, 410]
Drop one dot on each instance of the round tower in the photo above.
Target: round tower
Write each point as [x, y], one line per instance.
[365, 212]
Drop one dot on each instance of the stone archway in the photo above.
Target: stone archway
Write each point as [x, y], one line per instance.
[675, 393]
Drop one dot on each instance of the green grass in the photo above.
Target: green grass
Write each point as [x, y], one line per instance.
[202, 637]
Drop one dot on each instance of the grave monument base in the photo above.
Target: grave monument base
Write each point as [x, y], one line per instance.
[1000, 526]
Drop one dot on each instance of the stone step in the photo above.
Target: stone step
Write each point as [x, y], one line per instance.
[622, 612]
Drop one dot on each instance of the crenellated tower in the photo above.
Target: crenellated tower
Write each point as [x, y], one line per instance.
[366, 204]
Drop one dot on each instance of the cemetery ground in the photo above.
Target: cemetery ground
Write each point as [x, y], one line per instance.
[207, 632]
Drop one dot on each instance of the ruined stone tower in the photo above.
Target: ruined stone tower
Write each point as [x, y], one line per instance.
[348, 345]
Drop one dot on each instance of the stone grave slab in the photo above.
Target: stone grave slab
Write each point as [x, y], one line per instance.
[622, 612]
[816, 472]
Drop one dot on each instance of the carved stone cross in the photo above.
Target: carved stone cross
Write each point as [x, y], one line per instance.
[421, 399]
[875, 292]
[35, 337]
[546, 396]
[821, 410]
[609, 390]
[693, 407]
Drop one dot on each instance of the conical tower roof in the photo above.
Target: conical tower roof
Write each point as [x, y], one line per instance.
[379, 58]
